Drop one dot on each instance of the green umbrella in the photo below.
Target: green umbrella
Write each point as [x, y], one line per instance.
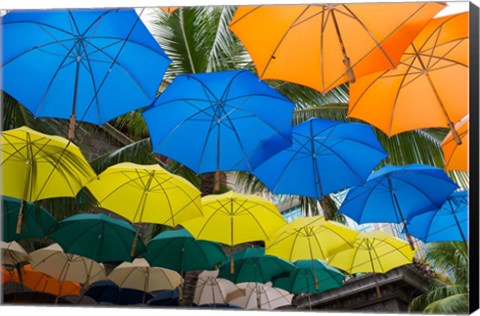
[178, 250]
[302, 279]
[36, 220]
[98, 237]
[252, 265]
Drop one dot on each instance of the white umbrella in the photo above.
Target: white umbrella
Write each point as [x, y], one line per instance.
[13, 253]
[261, 296]
[212, 290]
[140, 276]
[52, 260]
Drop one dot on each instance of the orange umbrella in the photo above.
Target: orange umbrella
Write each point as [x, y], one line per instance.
[40, 282]
[6, 275]
[323, 46]
[429, 88]
[456, 156]
[168, 10]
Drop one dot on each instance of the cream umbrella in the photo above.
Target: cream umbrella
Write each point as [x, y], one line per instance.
[13, 253]
[212, 290]
[261, 296]
[139, 275]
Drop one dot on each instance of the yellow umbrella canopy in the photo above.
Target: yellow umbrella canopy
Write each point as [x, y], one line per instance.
[140, 276]
[233, 218]
[13, 253]
[310, 238]
[37, 166]
[53, 261]
[376, 252]
[146, 194]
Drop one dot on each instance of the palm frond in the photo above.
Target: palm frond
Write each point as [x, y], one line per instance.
[453, 304]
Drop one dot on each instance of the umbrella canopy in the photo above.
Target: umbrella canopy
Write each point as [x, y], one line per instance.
[376, 252]
[13, 253]
[109, 292]
[178, 250]
[6, 275]
[432, 78]
[36, 221]
[310, 238]
[168, 10]
[40, 282]
[396, 193]
[98, 237]
[211, 290]
[322, 46]
[53, 261]
[455, 155]
[92, 65]
[146, 194]
[262, 296]
[326, 156]
[165, 298]
[138, 275]
[302, 279]
[219, 121]
[253, 265]
[232, 218]
[38, 166]
[449, 223]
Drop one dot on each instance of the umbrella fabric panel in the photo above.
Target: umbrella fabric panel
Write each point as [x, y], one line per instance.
[416, 188]
[455, 155]
[40, 166]
[178, 250]
[449, 223]
[107, 291]
[36, 221]
[299, 43]
[100, 43]
[223, 123]
[262, 296]
[213, 290]
[326, 156]
[98, 237]
[13, 253]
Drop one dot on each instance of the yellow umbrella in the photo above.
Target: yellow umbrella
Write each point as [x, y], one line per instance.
[146, 194]
[233, 218]
[37, 166]
[309, 238]
[13, 253]
[376, 252]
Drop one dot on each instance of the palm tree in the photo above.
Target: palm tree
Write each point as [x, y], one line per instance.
[448, 296]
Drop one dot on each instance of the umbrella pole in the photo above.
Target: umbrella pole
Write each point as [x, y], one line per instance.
[71, 127]
[377, 287]
[456, 137]
[399, 210]
[134, 245]
[346, 59]
[20, 217]
[26, 188]
[459, 227]
[216, 187]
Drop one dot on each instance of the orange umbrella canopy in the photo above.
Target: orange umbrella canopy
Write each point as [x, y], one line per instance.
[429, 88]
[40, 282]
[455, 155]
[168, 10]
[323, 46]
[6, 275]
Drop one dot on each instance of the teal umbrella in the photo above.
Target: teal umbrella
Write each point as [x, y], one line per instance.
[36, 220]
[98, 237]
[252, 265]
[178, 250]
[302, 279]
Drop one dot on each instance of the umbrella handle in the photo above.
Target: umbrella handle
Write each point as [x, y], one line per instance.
[232, 266]
[456, 137]
[315, 279]
[349, 73]
[71, 128]
[19, 220]
[134, 246]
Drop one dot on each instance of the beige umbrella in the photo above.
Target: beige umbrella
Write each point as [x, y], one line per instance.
[139, 275]
[212, 290]
[261, 296]
[13, 253]
[52, 260]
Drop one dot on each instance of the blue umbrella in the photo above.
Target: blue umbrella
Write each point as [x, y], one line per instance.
[87, 65]
[109, 292]
[449, 223]
[220, 121]
[395, 194]
[165, 298]
[326, 156]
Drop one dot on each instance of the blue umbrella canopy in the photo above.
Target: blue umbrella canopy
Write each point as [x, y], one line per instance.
[394, 194]
[109, 292]
[221, 121]
[448, 223]
[93, 64]
[178, 250]
[326, 156]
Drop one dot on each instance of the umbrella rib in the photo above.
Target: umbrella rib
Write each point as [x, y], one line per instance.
[377, 256]
[226, 91]
[207, 221]
[279, 98]
[365, 201]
